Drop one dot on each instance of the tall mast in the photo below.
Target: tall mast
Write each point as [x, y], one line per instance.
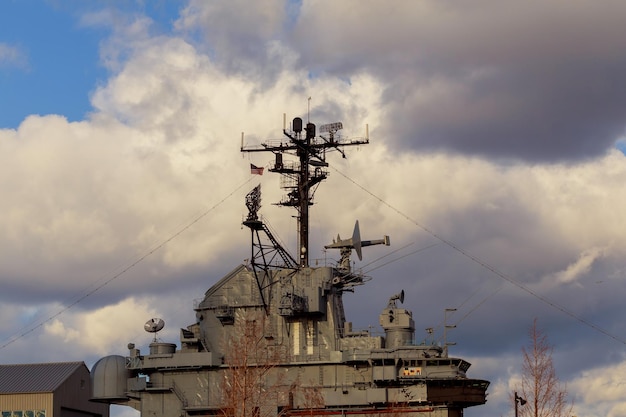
[301, 177]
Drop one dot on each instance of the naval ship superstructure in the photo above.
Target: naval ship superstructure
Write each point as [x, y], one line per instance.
[271, 337]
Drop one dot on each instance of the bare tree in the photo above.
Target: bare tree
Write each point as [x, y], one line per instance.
[544, 393]
[252, 385]
[244, 387]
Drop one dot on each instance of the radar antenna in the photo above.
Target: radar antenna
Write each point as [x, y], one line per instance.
[264, 254]
[301, 178]
[154, 326]
[393, 298]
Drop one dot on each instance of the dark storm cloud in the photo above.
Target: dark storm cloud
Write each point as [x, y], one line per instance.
[534, 81]
[542, 116]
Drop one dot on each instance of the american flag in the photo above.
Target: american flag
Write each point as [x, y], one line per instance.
[255, 170]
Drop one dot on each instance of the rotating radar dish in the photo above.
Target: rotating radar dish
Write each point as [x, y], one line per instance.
[154, 325]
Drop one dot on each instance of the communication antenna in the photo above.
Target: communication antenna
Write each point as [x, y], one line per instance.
[308, 110]
[154, 326]
[392, 300]
[447, 327]
[301, 177]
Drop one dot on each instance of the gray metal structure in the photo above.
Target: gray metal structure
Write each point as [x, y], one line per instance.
[287, 320]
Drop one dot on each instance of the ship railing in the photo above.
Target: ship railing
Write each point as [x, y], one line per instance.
[425, 343]
[318, 353]
[361, 332]
[133, 362]
[179, 393]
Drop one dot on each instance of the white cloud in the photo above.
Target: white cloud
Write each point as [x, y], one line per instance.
[601, 391]
[238, 34]
[103, 330]
[12, 56]
[237, 18]
[581, 266]
[162, 146]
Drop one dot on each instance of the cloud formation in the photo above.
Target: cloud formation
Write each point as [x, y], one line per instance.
[492, 132]
[12, 56]
[532, 81]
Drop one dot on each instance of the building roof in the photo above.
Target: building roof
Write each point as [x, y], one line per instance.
[35, 377]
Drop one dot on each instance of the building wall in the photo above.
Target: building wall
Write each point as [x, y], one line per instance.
[70, 399]
[73, 395]
[35, 402]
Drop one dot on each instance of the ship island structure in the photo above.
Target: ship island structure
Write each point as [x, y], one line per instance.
[271, 337]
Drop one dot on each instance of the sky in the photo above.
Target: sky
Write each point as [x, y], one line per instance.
[495, 165]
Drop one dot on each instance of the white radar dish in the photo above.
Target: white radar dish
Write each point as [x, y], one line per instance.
[154, 325]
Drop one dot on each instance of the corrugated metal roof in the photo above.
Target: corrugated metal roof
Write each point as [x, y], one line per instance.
[35, 377]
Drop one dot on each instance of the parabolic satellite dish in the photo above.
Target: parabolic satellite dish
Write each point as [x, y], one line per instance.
[154, 325]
